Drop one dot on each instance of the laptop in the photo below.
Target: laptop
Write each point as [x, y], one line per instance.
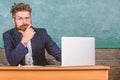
[78, 51]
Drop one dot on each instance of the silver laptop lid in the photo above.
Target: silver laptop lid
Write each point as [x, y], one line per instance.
[78, 51]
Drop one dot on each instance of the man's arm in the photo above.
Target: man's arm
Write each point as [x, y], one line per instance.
[14, 53]
[52, 47]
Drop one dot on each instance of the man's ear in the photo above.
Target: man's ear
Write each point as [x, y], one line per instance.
[13, 20]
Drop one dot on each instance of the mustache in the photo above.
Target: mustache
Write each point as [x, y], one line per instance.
[24, 25]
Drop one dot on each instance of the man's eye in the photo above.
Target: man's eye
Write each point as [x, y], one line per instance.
[20, 18]
[27, 18]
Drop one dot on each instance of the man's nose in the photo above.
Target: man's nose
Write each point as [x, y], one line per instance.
[24, 21]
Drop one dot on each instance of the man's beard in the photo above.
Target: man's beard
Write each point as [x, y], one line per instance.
[23, 27]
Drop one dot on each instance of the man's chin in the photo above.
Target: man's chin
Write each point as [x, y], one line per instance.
[21, 29]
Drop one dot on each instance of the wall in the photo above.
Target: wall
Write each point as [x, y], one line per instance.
[97, 18]
[109, 57]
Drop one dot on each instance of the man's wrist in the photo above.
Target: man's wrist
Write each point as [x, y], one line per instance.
[24, 43]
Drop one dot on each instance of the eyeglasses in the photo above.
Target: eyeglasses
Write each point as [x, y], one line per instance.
[21, 18]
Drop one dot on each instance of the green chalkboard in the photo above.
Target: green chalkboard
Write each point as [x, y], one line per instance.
[86, 18]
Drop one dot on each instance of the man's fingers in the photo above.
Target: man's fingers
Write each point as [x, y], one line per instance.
[29, 26]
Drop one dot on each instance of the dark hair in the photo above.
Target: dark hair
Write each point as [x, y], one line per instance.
[20, 7]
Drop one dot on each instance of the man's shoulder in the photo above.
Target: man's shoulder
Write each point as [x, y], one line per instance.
[40, 30]
[9, 31]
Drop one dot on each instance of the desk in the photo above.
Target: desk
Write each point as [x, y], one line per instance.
[54, 73]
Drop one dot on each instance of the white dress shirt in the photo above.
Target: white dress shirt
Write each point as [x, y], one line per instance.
[28, 56]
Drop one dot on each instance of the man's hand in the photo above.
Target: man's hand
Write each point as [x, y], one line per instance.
[27, 35]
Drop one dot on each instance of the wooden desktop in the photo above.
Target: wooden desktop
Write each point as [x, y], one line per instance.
[54, 73]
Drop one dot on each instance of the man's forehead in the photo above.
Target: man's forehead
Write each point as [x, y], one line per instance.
[22, 14]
